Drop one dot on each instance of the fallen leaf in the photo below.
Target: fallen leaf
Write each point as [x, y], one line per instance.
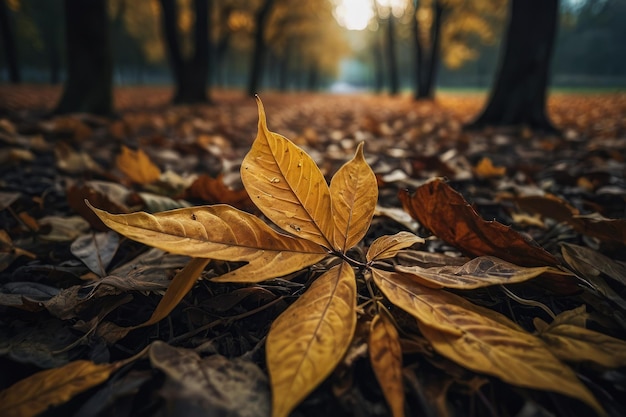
[42, 390]
[222, 386]
[388, 246]
[447, 215]
[481, 339]
[486, 169]
[213, 190]
[96, 250]
[73, 162]
[584, 259]
[8, 198]
[182, 283]
[595, 225]
[137, 166]
[284, 182]
[479, 272]
[77, 194]
[354, 194]
[570, 341]
[386, 358]
[63, 229]
[218, 232]
[308, 340]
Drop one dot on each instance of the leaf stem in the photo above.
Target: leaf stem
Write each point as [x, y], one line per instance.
[358, 264]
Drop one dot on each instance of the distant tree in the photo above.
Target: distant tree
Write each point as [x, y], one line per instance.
[392, 63]
[191, 75]
[8, 43]
[260, 48]
[449, 31]
[304, 35]
[89, 61]
[427, 58]
[48, 15]
[519, 94]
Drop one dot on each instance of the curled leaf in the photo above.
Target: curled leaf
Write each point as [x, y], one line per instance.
[388, 246]
[479, 272]
[447, 215]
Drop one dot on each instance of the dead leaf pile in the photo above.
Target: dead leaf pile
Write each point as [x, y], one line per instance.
[291, 294]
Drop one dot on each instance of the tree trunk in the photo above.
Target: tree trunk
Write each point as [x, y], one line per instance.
[392, 63]
[190, 75]
[256, 69]
[89, 60]
[419, 55]
[426, 69]
[519, 94]
[379, 74]
[433, 61]
[8, 44]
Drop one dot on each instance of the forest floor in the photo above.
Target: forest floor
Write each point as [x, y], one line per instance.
[67, 284]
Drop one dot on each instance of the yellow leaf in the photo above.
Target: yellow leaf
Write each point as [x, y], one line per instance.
[354, 193]
[287, 186]
[137, 166]
[179, 287]
[479, 272]
[386, 358]
[569, 340]
[481, 339]
[217, 232]
[270, 264]
[486, 169]
[308, 340]
[388, 246]
[35, 394]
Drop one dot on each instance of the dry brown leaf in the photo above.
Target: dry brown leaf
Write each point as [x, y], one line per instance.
[481, 339]
[76, 196]
[308, 340]
[595, 225]
[38, 392]
[479, 272]
[181, 284]
[388, 246]
[568, 339]
[222, 387]
[386, 358]
[354, 194]
[284, 182]
[137, 166]
[588, 260]
[447, 215]
[213, 190]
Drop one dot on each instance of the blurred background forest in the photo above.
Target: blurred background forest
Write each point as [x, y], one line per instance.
[337, 45]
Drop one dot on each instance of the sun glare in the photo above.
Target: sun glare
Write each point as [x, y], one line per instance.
[354, 14]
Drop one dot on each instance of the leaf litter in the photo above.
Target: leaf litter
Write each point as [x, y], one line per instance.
[297, 280]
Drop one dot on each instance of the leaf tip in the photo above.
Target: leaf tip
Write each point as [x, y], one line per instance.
[262, 120]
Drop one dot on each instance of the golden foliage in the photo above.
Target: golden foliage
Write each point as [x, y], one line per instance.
[481, 339]
[308, 340]
[33, 395]
[137, 166]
